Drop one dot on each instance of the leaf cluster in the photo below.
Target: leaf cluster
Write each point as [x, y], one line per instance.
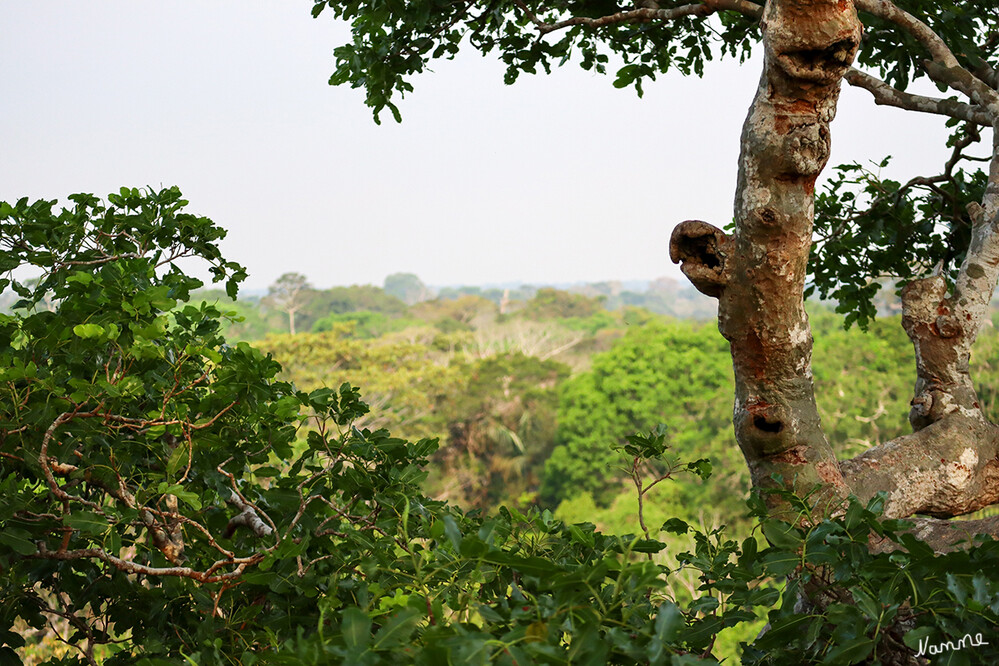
[394, 40]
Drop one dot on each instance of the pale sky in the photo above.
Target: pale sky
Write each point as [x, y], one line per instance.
[555, 179]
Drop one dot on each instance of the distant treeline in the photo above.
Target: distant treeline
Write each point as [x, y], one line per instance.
[530, 390]
[292, 304]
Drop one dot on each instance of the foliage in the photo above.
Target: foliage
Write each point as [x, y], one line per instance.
[463, 313]
[500, 429]
[406, 380]
[362, 324]
[557, 304]
[358, 298]
[177, 504]
[870, 228]
[674, 373]
[898, 56]
[244, 319]
[158, 497]
[392, 42]
[895, 590]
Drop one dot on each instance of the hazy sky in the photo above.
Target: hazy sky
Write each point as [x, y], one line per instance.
[558, 178]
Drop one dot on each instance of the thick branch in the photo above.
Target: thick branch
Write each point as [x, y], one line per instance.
[945, 536]
[943, 329]
[949, 468]
[944, 67]
[247, 517]
[930, 40]
[887, 95]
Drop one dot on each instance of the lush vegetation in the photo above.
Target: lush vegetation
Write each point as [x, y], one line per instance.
[170, 497]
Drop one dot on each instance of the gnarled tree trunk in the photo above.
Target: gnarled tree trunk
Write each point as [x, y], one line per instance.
[948, 466]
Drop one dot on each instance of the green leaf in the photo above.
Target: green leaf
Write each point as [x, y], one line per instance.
[88, 330]
[14, 540]
[86, 521]
[912, 638]
[669, 622]
[675, 526]
[701, 468]
[398, 629]
[648, 546]
[850, 652]
[356, 629]
[782, 535]
[866, 603]
[189, 498]
[452, 532]
[178, 457]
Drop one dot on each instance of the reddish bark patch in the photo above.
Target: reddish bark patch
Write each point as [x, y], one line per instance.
[793, 456]
[829, 472]
[755, 356]
[810, 185]
[799, 106]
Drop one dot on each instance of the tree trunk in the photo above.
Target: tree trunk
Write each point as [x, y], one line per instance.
[949, 465]
[758, 274]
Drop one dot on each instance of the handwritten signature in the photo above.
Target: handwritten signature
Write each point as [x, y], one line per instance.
[966, 641]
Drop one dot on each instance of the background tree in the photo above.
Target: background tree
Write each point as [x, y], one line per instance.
[407, 287]
[289, 294]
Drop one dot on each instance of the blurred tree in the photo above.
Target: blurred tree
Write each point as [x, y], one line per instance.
[289, 294]
[672, 373]
[500, 429]
[551, 303]
[407, 288]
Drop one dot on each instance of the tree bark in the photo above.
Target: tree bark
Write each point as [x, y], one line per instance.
[758, 274]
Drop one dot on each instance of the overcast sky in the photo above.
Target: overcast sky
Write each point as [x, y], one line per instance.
[556, 179]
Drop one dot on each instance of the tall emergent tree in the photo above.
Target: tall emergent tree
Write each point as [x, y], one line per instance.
[290, 293]
[939, 235]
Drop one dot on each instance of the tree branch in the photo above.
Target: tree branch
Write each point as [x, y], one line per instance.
[886, 95]
[705, 8]
[634, 15]
[944, 536]
[949, 468]
[207, 576]
[944, 68]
